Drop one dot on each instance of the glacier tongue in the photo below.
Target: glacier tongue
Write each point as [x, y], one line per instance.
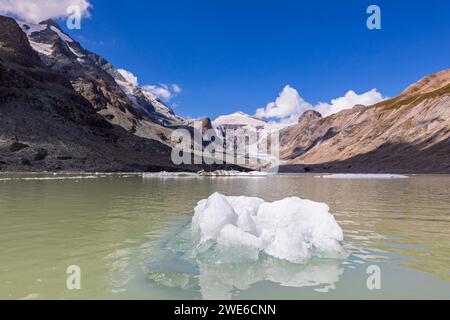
[292, 229]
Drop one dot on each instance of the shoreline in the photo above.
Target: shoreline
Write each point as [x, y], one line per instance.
[279, 173]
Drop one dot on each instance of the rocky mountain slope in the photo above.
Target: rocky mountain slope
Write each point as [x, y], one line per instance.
[410, 133]
[64, 108]
[99, 82]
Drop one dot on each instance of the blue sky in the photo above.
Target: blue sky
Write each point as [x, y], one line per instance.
[230, 55]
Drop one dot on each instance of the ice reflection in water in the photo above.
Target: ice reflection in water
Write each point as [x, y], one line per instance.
[221, 280]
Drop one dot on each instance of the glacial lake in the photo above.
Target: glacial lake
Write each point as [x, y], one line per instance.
[119, 228]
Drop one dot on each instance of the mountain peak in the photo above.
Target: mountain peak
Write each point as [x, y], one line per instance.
[240, 113]
[12, 37]
[308, 117]
[429, 83]
[48, 27]
[51, 22]
[239, 119]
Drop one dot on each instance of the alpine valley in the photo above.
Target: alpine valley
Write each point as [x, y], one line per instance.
[64, 108]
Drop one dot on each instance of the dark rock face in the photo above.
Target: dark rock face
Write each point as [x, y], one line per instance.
[309, 117]
[41, 154]
[17, 146]
[64, 110]
[98, 81]
[15, 43]
[204, 124]
[40, 108]
[26, 162]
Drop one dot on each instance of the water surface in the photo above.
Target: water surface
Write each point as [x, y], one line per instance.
[120, 228]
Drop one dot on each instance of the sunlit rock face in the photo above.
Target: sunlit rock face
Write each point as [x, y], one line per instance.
[407, 134]
[235, 242]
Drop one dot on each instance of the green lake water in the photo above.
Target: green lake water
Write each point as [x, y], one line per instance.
[118, 230]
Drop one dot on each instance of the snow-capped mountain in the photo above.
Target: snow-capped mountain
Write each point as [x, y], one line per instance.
[63, 107]
[239, 119]
[99, 81]
[240, 126]
[46, 125]
[148, 101]
[406, 134]
[243, 121]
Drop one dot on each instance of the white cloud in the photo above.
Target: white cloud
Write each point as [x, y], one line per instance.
[348, 101]
[290, 105]
[161, 91]
[131, 78]
[36, 11]
[176, 88]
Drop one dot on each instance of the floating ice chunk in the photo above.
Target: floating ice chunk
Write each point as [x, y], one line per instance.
[297, 228]
[211, 216]
[363, 176]
[245, 220]
[242, 202]
[163, 174]
[232, 235]
[236, 245]
[292, 229]
[232, 173]
[217, 174]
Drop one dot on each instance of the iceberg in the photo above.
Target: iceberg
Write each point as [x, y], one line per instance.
[363, 176]
[232, 243]
[164, 174]
[292, 229]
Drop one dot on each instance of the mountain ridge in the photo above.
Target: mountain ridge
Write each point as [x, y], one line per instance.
[49, 122]
[63, 107]
[396, 135]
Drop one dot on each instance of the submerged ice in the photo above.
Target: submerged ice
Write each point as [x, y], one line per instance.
[240, 228]
[233, 243]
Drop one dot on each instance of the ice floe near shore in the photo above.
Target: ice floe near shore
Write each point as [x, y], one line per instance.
[163, 174]
[240, 228]
[232, 173]
[66, 176]
[353, 176]
[217, 173]
[50, 178]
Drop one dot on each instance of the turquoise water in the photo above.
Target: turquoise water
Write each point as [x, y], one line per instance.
[123, 232]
